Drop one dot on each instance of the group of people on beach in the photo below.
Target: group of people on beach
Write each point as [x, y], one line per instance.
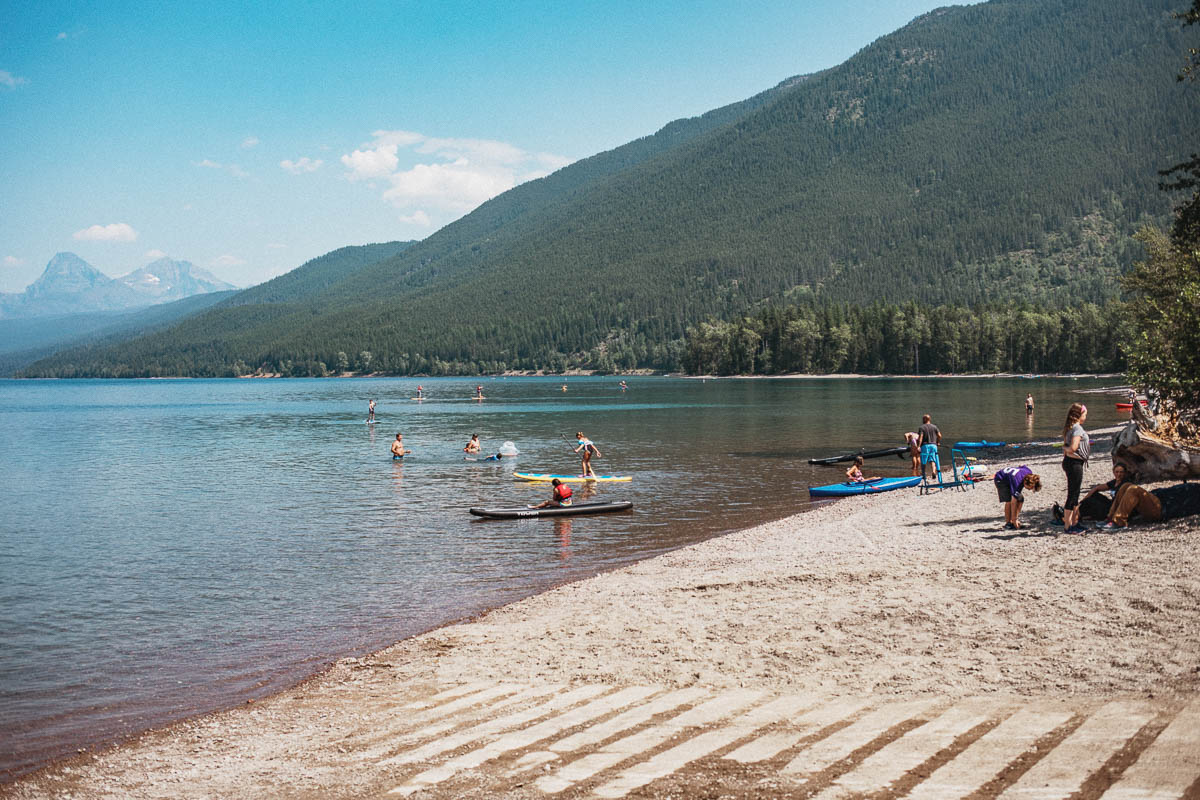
[1112, 513]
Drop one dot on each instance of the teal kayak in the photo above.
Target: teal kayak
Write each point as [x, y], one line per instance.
[864, 487]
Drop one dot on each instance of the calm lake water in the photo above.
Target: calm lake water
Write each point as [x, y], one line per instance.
[172, 547]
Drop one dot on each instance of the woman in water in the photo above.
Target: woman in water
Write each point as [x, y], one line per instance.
[588, 450]
[473, 445]
[1076, 449]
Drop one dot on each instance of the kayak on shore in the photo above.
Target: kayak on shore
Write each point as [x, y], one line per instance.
[525, 512]
[979, 445]
[887, 451]
[864, 487]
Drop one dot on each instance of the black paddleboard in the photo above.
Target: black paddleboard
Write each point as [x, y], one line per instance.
[553, 511]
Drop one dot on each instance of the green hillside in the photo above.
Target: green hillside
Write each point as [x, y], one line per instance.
[997, 153]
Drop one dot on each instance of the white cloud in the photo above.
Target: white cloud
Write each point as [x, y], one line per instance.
[116, 232]
[451, 174]
[459, 186]
[302, 165]
[418, 218]
[154, 255]
[13, 261]
[250, 142]
[228, 261]
[233, 169]
[375, 163]
[10, 81]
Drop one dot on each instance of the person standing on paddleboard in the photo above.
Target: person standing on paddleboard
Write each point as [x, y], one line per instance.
[371, 410]
[560, 497]
[587, 450]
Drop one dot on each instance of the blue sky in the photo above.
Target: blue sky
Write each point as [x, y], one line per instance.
[250, 137]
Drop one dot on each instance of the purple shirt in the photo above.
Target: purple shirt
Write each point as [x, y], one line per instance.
[1015, 478]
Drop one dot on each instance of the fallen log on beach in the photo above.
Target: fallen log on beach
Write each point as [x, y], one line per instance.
[1153, 458]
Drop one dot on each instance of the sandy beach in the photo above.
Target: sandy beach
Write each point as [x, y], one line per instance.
[893, 597]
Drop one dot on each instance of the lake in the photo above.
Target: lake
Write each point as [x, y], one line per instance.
[170, 547]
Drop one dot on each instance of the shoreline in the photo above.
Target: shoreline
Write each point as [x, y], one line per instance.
[894, 595]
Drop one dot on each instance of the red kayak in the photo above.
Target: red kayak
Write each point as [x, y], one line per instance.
[1129, 406]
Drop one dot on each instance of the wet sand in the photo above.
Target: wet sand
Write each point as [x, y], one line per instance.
[897, 595]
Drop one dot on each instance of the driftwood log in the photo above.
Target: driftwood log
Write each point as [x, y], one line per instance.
[1151, 456]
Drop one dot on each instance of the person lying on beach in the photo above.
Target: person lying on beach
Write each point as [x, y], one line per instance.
[1010, 483]
[855, 473]
[560, 497]
[398, 450]
[1155, 505]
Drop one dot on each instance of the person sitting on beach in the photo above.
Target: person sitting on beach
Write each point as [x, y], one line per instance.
[560, 497]
[473, 445]
[1155, 505]
[1095, 504]
[398, 450]
[855, 474]
[1010, 482]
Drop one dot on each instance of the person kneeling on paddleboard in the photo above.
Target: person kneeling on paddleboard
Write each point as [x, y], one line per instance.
[560, 497]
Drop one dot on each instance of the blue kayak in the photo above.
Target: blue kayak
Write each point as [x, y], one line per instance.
[864, 487]
[978, 445]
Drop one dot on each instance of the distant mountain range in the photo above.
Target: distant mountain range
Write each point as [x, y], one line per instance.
[70, 285]
[994, 154]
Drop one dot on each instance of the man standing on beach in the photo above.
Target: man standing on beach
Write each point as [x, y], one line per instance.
[929, 437]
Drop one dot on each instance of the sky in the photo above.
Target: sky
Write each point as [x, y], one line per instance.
[251, 137]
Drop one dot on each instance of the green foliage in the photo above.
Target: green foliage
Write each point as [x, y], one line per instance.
[980, 155]
[1165, 351]
[909, 339]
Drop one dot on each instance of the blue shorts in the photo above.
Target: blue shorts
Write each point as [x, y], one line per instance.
[929, 453]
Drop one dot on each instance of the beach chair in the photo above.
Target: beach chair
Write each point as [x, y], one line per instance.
[959, 467]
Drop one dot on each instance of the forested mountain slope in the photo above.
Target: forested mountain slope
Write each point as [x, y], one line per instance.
[981, 154]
